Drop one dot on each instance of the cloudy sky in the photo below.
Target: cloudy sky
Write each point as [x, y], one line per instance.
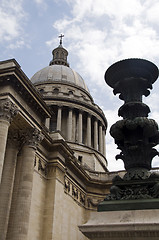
[97, 34]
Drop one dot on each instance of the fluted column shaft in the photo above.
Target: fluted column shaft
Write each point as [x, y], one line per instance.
[22, 214]
[100, 138]
[7, 111]
[14, 197]
[4, 125]
[59, 118]
[6, 187]
[89, 130]
[69, 125]
[96, 134]
[80, 127]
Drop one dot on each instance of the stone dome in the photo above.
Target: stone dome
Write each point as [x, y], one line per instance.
[59, 73]
[59, 70]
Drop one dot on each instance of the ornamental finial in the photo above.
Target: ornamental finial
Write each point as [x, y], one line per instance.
[61, 36]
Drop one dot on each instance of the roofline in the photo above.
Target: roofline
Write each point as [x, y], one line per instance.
[12, 67]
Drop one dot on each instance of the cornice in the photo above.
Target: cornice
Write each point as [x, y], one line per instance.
[11, 74]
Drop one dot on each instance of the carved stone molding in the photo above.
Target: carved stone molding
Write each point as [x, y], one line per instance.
[8, 110]
[42, 167]
[79, 195]
[67, 185]
[75, 192]
[32, 137]
[93, 202]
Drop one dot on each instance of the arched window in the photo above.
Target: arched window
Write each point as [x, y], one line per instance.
[62, 55]
[41, 90]
[57, 54]
[70, 92]
[56, 90]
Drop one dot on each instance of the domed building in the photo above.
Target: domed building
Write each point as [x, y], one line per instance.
[75, 115]
[53, 168]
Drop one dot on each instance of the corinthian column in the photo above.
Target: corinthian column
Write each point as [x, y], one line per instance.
[7, 112]
[69, 125]
[104, 147]
[89, 130]
[80, 127]
[20, 226]
[6, 187]
[100, 138]
[59, 115]
[95, 134]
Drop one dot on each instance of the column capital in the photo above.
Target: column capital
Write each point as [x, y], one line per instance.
[100, 123]
[89, 115]
[70, 108]
[31, 137]
[80, 111]
[60, 106]
[8, 110]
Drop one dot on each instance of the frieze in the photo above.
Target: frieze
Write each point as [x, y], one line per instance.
[67, 186]
[74, 192]
[80, 196]
[42, 167]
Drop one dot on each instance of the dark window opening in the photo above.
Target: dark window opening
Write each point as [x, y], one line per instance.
[80, 158]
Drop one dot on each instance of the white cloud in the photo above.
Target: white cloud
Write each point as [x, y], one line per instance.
[152, 13]
[11, 17]
[101, 32]
[42, 5]
[39, 1]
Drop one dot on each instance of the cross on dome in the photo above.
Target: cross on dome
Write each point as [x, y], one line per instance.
[61, 36]
[60, 54]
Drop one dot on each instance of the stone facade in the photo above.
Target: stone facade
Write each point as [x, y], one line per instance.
[53, 169]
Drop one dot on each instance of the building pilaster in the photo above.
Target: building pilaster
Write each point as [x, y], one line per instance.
[8, 174]
[31, 139]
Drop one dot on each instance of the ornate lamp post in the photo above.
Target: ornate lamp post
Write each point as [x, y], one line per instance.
[135, 136]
